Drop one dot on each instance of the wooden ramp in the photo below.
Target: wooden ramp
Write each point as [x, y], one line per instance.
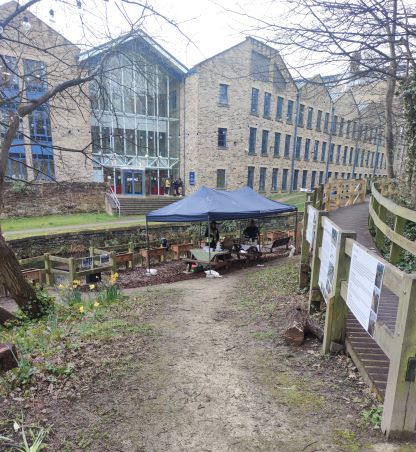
[371, 361]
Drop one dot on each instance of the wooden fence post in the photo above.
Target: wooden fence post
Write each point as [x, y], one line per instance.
[395, 250]
[131, 250]
[72, 270]
[328, 196]
[48, 270]
[304, 252]
[379, 239]
[336, 309]
[91, 249]
[399, 412]
[315, 296]
[113, 262]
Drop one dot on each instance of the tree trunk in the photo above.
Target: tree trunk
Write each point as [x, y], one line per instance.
[299, 324]
[12, 279]
[391, 86]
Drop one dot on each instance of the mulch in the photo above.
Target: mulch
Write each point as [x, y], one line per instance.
[173, 271]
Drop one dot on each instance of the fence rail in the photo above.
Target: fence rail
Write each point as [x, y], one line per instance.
[380, 208]
[394, 331]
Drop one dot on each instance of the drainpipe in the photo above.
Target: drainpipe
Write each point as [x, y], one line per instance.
[184, 182]
[295, 136]
[376, 159]
[355, 160]
[330, 141]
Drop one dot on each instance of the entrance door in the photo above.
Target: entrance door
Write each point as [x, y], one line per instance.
[133, 182]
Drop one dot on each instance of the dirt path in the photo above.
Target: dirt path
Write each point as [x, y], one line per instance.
[213, 375]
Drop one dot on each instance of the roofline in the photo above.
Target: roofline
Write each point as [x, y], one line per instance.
[84, 56]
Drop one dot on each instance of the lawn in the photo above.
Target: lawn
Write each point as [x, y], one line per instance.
[64, 222]
[296, 199]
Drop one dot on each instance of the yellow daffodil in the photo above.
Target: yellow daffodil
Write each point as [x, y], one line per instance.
[81, 309]
[61, 286]
[76, 283]
[96, 304]
[92, 286]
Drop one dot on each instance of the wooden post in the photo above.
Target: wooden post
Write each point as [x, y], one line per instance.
[395, 250]
[131, 250]
[91, 249]
[336, 309]
[399, 411]
[72, 270]
[113, 262]
[328, 196]
[379, 239]
[363, 190]
[304, 251]
[48, 269]
[315, 296]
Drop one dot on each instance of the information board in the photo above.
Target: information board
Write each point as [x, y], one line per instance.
[191, 177]
[364, 287]
[311, 228]
[330, 241]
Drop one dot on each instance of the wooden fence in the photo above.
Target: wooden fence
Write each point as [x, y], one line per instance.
[396, 338]
[380, 208]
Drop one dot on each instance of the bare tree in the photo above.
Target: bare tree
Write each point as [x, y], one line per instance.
[361, 40]
[40, 71]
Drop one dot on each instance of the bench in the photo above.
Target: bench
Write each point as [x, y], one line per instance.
[284, 241]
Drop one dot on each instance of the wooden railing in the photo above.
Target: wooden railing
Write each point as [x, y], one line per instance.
[380, 208]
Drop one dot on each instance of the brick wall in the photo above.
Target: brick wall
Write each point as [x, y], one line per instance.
[51, 198]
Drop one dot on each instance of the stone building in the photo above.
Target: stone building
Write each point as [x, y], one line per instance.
[247, 122]
[44, 147]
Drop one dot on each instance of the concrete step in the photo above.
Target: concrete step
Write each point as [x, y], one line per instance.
[137, 205]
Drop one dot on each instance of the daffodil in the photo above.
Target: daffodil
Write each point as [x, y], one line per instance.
[81, 309]
[61, 287]
[96, 304]
[92, 286]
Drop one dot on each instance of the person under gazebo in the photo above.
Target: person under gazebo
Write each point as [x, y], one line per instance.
[213, 235]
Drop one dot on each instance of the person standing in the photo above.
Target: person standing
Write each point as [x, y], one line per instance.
[212, 235]
[180, 187]
[167, 186]
[174, 187]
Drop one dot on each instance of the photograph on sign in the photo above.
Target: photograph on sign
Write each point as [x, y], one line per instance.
[364, 287]
[104, 259]
[86, 262]
[311, 227]
[329, 246]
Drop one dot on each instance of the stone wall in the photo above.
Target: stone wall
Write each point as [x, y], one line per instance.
[76, 243]
[50, 198]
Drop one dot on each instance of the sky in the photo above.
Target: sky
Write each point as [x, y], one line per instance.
[204, 26]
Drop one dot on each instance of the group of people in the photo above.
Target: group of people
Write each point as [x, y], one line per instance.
[173, 187]
[212, 234]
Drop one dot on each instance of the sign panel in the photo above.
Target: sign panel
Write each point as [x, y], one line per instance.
[330, 241]
[104, 259]
[364, 287]
[191, 177]
[86, 263]
[311, 228]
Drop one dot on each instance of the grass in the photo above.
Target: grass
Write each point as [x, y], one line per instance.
[296, 199]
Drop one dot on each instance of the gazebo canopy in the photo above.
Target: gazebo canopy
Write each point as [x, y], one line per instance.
[208, 204]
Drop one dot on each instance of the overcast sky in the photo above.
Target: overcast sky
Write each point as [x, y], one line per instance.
[209, 27]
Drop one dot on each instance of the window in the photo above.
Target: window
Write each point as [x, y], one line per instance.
[40, 124]
[223, 94]
[295, 179]
[279, 109]
[372, 160]
[313, 179]
[381, 160]
[260, 67]
[342, 175]
[222, 138]
[254, 101]
[336, 175]
[262, 179]
[8, 73]
[344, 158]
[319, 120]
[331, 153]
[43, 165]
[334, 124]
[315, 150]
[250, 176]
[220, 178]
[301, 115]
[276, 149]
[284, 179]
[266, 107]
[348, 175]
[368, 157]
[329, 174]
[264, 142]
[310, 118]
[326, 122]
[287, 145]
[307, 146]
[362, 158]
[338, 154]
[354, 130]
[252, 141]
[348, 128]
[321, 177]
[278, 78]
[304, 178]
[16, 165]
[341, 127]
[172, 101]
[275, 172]
[297, 148]
[351, 155]
[35, 75]
[323, 151]
[290, 111]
